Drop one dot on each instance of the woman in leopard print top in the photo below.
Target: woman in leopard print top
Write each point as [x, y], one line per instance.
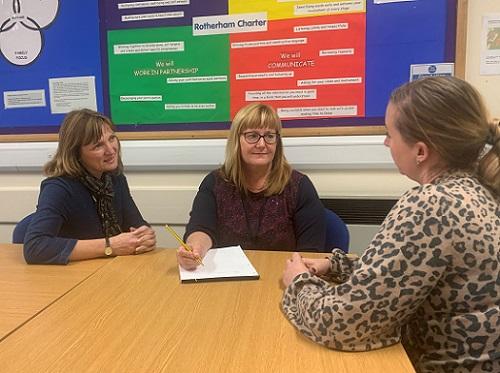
[430, 277]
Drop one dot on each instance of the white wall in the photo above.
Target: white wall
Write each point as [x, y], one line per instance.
[164, 192]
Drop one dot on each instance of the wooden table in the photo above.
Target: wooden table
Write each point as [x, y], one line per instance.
[133, 315]
[26, 290]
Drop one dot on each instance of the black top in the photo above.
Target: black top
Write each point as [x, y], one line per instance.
[292, 220]
[66, 213]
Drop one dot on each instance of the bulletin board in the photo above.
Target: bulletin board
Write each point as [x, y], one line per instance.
[182, 68]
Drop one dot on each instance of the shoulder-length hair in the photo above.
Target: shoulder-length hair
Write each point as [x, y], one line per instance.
[448, 114]
[79, 128]
[255, 116]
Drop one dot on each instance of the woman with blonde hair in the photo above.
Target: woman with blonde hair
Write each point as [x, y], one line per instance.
[430, 278]
[85, 209]
[255, 199]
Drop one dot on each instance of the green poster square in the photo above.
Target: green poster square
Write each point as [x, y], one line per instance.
[167, 75]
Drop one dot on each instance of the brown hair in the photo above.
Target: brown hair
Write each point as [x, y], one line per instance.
[449, 115]
[255, 116]
[79, 128]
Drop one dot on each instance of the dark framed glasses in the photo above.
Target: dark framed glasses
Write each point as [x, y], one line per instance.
[252, 137]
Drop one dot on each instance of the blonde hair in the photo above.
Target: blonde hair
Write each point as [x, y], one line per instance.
[255, 116]
[449, 115]
[79, 128]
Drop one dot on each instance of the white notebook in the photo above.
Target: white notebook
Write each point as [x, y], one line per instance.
[225, 263]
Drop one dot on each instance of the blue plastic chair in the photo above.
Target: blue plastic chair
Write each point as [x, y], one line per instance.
[21, 228]
[337, 234]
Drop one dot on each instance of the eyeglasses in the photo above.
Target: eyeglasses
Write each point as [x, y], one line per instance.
[254, 137]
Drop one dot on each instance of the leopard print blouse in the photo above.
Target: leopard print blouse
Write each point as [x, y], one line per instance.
[430, 278]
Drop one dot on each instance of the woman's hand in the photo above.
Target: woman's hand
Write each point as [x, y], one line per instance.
[189, 259]
[294, 267]
[199, 242]
[147, 239]
[317, 267]
[137, 241]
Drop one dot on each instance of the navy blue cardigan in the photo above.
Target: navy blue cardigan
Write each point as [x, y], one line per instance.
[66, 213]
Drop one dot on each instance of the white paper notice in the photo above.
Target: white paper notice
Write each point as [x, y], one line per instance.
[490, 45]
[68, 94]
[431, 69]
[24, 99]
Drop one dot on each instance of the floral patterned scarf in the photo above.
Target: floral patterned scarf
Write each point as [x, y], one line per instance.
[102, 193]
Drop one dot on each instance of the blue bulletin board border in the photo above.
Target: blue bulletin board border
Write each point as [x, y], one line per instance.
[70, 48]
[398, 35]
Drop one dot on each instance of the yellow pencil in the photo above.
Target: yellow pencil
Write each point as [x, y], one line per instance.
[176, 236]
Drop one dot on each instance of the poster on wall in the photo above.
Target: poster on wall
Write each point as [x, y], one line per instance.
[177, 65]
[490, 45]
[49, 63]
[182, 61]
[420, 71]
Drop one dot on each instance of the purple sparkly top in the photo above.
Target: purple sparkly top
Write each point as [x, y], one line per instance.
[292, 220]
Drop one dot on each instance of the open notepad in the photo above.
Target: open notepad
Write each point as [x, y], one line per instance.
[225, 263]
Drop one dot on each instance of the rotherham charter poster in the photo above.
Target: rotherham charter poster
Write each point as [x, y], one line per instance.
[175, 65]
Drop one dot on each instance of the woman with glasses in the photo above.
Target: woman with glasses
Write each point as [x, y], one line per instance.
[255, 199]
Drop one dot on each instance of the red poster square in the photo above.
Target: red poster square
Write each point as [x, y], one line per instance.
[326, 58]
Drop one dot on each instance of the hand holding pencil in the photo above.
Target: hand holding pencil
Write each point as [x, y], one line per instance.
[188, 257]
